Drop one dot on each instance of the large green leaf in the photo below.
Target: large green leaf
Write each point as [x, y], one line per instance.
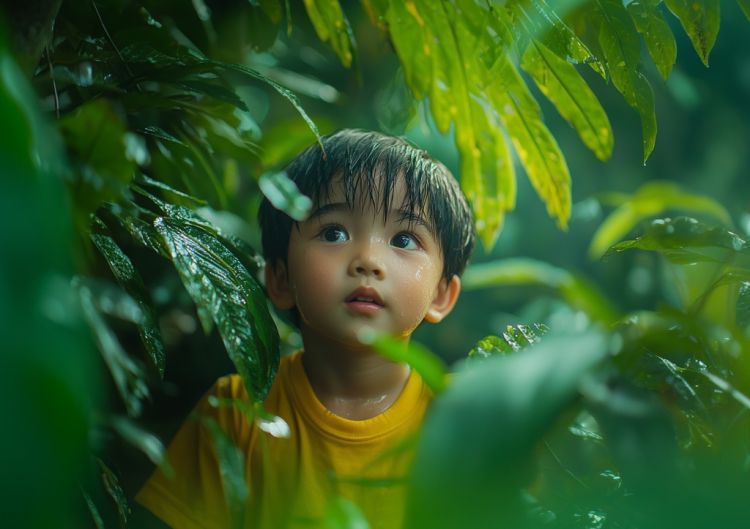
[430, 367]
[520, 271]
[562, 84]
[536, 147]
[331, 24]
[652, 198]
[619, 42]
[218, 282]
[129, 279]
[656, 32]
[700, 19]
[477, 442]
[684, 240]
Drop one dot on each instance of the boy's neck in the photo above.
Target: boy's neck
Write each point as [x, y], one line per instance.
[355, 383]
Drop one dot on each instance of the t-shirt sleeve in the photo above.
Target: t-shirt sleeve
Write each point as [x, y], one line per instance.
[191, 495]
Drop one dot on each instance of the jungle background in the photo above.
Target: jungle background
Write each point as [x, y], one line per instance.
[603, 388]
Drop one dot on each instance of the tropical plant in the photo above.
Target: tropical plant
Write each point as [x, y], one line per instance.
[149, 118]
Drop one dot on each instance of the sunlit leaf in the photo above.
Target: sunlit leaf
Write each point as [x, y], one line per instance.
[218, 282]
[656, 32]
[700, 19]
[519, 271]
[283, 194]
[232, 470]
[331, 24]
[652, 198]
[430, 367]
[619, 41]
[129, 279]
[482, 430]
[537, 149]
[561, 83]
[129, 378]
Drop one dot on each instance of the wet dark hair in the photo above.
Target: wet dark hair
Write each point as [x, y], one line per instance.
[369, 164]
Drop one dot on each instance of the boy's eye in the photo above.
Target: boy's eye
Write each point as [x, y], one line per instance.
[405, 241]
[334, 234]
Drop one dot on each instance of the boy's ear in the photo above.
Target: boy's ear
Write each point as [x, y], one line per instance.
[445, 299]
[277, 285]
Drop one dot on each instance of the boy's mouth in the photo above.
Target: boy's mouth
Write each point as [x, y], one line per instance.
[365, 296]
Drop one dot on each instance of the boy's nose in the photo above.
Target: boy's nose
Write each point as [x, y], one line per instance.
[367, 262]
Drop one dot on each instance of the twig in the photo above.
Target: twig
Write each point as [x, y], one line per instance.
[112, 42]
[54, 84]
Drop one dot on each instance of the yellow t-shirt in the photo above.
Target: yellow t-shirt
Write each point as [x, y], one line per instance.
[292, 481]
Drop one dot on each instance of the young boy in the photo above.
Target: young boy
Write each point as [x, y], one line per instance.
[382, 250]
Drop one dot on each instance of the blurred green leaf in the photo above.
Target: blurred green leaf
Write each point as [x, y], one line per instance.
[95, 137]
[700, 19]
[284, 195]
[430, 367]
[520, 271]
[745, 6]
[93, 511]
[130, 280]
[482, 430]
[575, 101]
[129, 378]
[342, 513]
[331, 24]
[652, 198]
[656, 32]
[619, 41]
[218, 282]
[232, 469]
[144, 441]
[743, 306]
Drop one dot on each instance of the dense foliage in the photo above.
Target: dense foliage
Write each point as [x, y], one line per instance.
[144, 134]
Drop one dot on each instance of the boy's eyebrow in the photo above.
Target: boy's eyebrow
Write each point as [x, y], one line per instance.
[402, 214]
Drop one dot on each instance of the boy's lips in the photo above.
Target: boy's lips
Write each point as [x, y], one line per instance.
[364, 300]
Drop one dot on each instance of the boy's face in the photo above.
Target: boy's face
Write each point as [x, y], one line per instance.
[350, 270]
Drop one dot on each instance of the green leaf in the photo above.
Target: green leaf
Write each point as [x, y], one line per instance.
[656, 32]
[652, 198]
[342, 513]
[331, 24]
[93, 511]
[575, 290]
[96, 140]
[128, 376]
[430, 367]
[477, 442]
[684, 240]
[559, 81]
[130, 280]
[514, 338]
[232, 470]
[537, 149]
[114, 489]
[745, 6]
[175, 195]
[144, 441]
[283, 194]
[743, 306]
[700, 19]
[619, 42]
[219, 283]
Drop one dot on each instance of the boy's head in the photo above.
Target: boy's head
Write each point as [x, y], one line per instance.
[383, 248]
[368, 165]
